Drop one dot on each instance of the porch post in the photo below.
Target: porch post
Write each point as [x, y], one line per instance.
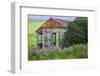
[37, 40]
[43, 38]
[59, 39]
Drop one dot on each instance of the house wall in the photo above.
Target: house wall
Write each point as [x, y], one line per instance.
[48, 37]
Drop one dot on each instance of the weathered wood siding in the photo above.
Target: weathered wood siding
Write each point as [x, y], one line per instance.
[47, 35]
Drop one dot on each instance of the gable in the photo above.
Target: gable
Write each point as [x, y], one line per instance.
[52, 23]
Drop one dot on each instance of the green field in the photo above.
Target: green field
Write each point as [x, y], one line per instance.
[33, 25]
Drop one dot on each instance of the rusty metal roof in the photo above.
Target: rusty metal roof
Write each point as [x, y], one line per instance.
[52, 23]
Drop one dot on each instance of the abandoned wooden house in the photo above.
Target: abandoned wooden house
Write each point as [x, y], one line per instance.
[50, 34]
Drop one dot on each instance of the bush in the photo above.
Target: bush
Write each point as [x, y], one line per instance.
[76, 32]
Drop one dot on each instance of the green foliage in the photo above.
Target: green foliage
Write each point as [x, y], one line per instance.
[30, 55]
[73, 52]
[76, 32]
[32, 40]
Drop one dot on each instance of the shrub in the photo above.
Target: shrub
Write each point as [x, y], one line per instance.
[76, 32]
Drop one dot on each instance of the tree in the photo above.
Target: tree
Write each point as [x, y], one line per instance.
[76, 32]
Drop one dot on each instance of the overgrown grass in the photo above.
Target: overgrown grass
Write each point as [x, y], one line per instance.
[73, 52]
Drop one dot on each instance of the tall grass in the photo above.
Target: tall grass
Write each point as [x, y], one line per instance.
[73, 52]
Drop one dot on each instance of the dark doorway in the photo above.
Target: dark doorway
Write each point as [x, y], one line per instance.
[54, 39]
